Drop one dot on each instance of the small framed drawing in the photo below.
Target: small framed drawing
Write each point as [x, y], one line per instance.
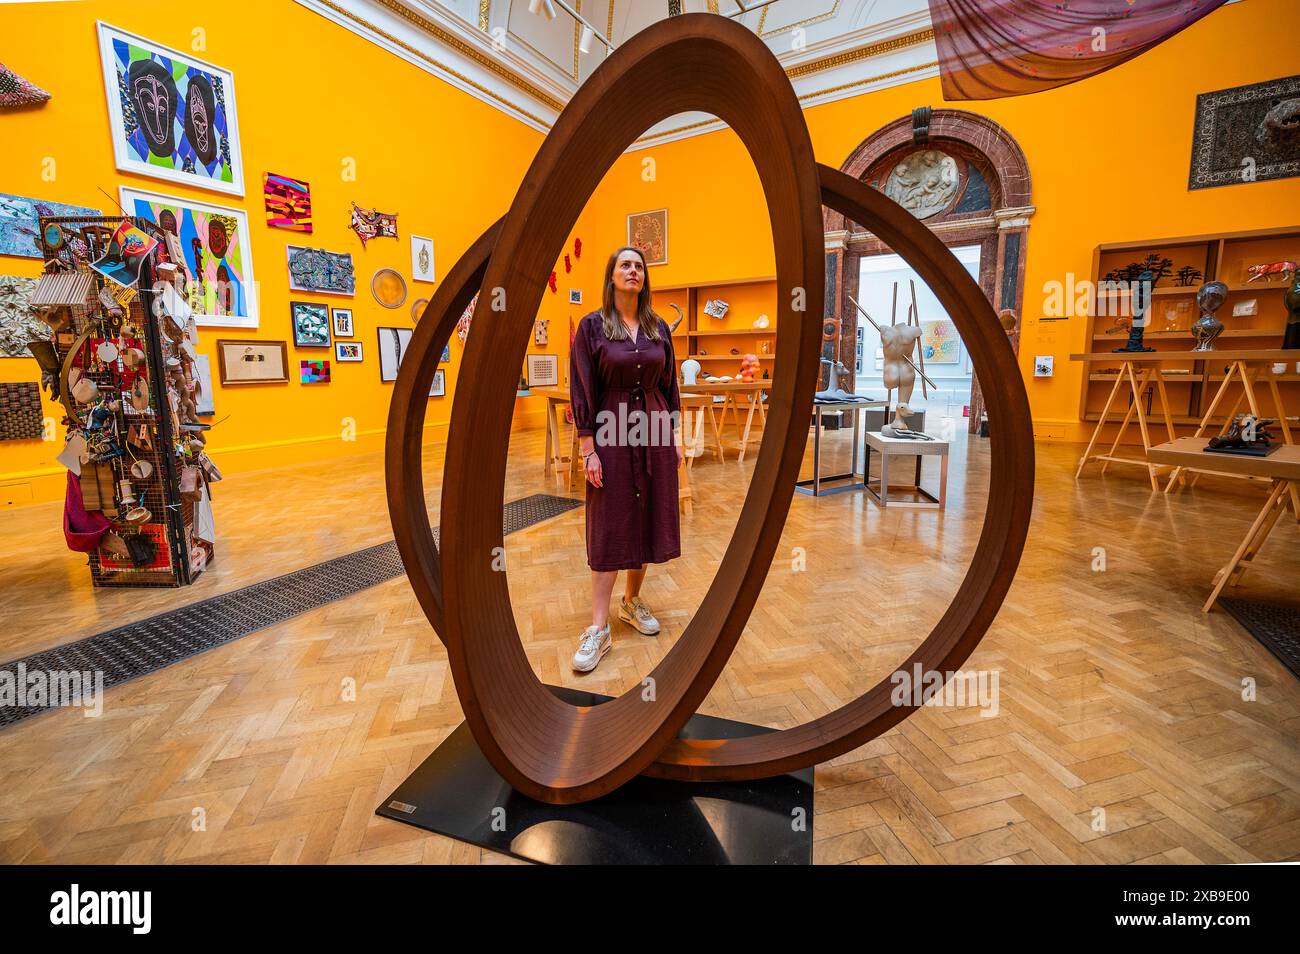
[575, 296]
[311, 324]
[342, 318]
[648, 231]
[421, 258]
[347, 351]
[253, 362]
[439, 386]
[543, 370]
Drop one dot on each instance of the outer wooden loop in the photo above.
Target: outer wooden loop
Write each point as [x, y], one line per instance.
[1006, 519]
[542, 746]
[403, 464]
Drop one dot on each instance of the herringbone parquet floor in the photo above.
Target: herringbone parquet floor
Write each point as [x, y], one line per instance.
[1120, 734]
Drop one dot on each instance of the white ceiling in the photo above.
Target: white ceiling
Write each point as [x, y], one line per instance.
[529, 66]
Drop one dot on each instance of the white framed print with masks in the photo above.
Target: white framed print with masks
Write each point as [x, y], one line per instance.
[421, 258]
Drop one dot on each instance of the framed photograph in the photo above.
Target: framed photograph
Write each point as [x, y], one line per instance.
[393, 343]
[211, 242]
[314, 371]
[253, 362]
[648, 231]
[439, 386]
[342, 318]
[575, 296]
[347, 351]
[543, 370]
[316, 270]
[171, 116]
[422, 259]
[311, 324]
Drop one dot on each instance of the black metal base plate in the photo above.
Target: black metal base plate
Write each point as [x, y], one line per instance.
[456, 792]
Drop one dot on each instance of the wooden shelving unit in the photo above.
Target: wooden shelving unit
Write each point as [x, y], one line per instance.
[1222, 257]
[710, 340]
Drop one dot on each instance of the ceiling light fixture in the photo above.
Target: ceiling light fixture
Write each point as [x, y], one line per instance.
[584, 44]
[543, 7]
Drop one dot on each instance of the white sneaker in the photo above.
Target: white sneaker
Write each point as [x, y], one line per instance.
[639, 615]
[592, 647]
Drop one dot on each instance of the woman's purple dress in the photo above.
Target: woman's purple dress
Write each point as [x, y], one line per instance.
[632, 519]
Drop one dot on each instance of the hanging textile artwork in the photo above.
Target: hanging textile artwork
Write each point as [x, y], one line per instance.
[989, 49]
[16, 91]
[368, 224]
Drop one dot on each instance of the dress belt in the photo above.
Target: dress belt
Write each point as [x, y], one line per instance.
[638, 389]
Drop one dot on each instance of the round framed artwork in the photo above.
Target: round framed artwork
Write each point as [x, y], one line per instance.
[417, 309]
[389, 288]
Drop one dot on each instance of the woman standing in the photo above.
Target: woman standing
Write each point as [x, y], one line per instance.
[623, 378]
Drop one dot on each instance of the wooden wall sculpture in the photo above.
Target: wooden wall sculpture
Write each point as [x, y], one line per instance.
[559, 753]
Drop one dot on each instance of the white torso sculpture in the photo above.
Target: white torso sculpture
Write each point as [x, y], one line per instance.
[898, 342]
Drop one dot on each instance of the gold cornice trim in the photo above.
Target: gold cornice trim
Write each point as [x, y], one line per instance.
[861, 53]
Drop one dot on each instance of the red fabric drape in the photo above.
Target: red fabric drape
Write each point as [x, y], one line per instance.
[994, 48]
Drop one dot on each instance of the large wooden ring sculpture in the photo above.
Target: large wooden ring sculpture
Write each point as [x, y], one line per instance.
[542, 746]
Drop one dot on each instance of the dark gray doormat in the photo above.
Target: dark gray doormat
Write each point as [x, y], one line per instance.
[1276, 627]
[138, 649]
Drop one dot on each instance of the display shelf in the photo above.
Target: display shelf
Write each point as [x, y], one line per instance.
[1220, 257]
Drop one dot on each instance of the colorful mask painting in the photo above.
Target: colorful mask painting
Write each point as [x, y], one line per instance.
[211, 243]
[288, 203]
[20, 231]
[368, 224]
[172, 116]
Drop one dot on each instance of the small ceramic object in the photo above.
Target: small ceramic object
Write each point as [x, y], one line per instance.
[142, 470]
[133, 358]
[140, 395]
[690, 371]
[762, 321]
[107, 351]
[85, 390]
[126, 492]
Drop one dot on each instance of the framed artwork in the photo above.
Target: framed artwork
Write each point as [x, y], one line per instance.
[940, 343]
[575, 296]
[171, 116]
[648, 231]
[288, 202]
[388, 287]
[417, 309]
[347, 351]
[18, 323]
[205, 400]
[1245, 134]
[211, 242]
[311, 324]
[446, 352]
[342, 318]
[20, 222]
[439, 386]
[422, 259]
[316, 270]
[314, 371]
[543, 370]
[253, 362]
[393, 344]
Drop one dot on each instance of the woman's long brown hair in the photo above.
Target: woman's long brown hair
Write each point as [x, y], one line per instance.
[614, 328]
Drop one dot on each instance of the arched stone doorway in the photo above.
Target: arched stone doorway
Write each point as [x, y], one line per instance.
[989, 204]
